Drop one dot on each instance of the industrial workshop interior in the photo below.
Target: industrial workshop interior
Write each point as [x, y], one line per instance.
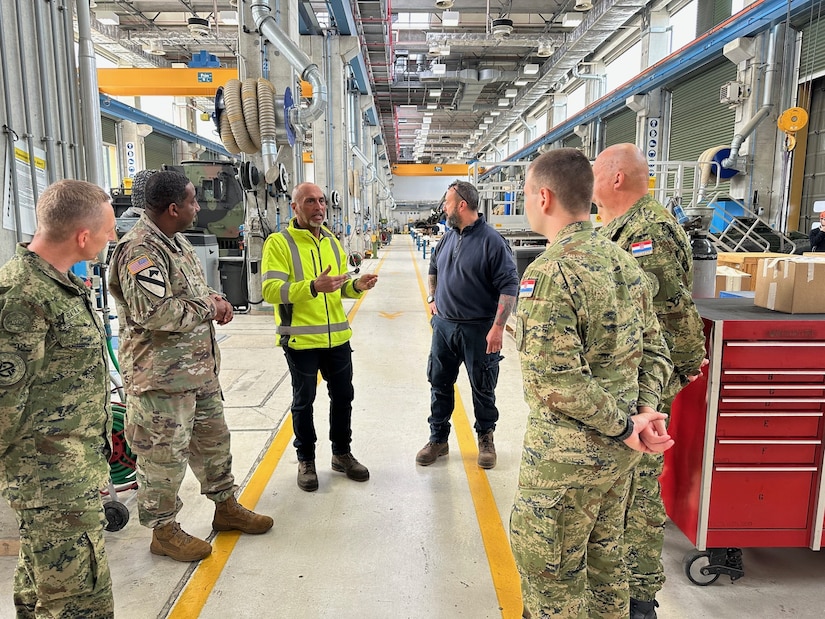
[384, 104]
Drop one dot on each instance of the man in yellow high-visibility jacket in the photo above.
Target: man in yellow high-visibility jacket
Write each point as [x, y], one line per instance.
[304, 277]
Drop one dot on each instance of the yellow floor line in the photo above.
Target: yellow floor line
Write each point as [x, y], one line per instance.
[193, 598]
[496, 543]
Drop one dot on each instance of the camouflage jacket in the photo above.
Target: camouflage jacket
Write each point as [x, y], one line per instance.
[54, 387]
[591, 353]
[167, 338]
[662, 249]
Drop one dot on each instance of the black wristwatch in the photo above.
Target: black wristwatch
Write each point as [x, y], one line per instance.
[628, 430]
[430, 299]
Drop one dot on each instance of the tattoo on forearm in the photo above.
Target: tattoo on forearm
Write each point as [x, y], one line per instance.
[431, 279]
[505, 307]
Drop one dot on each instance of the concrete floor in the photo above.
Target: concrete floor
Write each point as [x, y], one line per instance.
[411, 542]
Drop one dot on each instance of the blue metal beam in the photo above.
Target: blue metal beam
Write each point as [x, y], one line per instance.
[121, 111]
[756, 18]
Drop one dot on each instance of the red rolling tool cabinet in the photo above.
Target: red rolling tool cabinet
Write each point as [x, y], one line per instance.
[747, 469]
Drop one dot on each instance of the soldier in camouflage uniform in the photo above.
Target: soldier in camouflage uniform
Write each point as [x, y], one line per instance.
[170, 361]
[54, 400]
[593, 363]
[641, 226]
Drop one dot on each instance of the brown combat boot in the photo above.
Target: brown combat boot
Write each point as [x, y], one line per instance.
[232, 516]
[307, 477]
[430, 453]
[346, 463]
[169, 540]
[486, 450]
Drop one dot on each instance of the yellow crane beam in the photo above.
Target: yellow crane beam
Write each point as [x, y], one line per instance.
[429, 169]
[184, 82]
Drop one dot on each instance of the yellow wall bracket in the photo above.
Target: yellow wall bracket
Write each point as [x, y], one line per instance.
[790, 121]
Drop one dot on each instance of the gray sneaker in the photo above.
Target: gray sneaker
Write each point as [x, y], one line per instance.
[307, 477]
[486, 450]
[430, 453]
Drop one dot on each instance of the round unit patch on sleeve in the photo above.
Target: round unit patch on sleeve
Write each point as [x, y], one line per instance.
[16, 322]
[12, 369]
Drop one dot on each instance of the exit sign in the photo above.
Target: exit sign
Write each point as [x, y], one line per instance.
[205, 77]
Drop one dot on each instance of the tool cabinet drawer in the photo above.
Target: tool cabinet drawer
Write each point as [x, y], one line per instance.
[748, 424]
[760, 497]
[772, 403]
[776, 390]
[772, 355]
[771, 376]
[765, 451]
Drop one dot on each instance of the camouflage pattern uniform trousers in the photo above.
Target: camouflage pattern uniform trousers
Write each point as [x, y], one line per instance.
[591, 353]
[54, 438]
[170, 361]
[668, 262]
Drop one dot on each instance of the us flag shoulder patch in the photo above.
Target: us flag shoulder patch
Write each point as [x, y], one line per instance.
[642, 248]
[138, 264]
[526, 288]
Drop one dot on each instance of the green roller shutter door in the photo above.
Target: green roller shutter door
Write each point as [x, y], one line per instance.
[620, 128]
[158, 150]
[812, 56]
[109, 132]
[572, 141]
[698, 120]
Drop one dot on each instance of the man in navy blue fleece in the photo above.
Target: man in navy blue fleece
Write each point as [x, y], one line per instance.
[473, 283]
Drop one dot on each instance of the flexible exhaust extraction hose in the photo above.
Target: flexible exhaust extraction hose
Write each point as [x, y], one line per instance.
[706, 167]
[248, 123]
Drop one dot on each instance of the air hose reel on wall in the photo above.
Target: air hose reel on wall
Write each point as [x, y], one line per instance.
[790, 121]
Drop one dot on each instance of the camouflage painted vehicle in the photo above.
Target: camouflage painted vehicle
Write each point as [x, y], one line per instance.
[220, 197]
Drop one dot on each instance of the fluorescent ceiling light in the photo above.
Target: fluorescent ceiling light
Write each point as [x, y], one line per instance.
[531, 69]
[443, 50]
[488, 121]
[511, 92]
[571, 20]
[520, 82]
[109, 18]
[450, 19]
[230, 18]
[427, 114]
[427, 119]
[495, 113]
[503, 102]
[432, 106]
[435, 93]
[439, 68]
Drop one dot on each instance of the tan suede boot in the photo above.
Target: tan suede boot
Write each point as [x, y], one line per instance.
[486, 450]
[232, 516]
[169, 540]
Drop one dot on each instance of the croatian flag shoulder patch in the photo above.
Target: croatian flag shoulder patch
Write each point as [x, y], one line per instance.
[642, 248]
[526, 288]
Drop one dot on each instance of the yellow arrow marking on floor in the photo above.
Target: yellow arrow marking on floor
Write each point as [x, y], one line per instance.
[390, 315]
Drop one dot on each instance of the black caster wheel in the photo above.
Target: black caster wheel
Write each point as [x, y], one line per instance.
[693, 563]
[117, 515]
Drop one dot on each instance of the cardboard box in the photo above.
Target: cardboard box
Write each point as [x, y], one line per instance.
[794, 285]
[728, 278]
[745, 261]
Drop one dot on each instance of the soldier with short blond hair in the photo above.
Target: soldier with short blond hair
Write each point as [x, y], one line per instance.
[54, 408]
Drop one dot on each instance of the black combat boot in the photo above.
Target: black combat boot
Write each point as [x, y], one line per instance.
[640, 609]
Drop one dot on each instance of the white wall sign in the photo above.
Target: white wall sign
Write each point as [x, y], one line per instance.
[28, 221]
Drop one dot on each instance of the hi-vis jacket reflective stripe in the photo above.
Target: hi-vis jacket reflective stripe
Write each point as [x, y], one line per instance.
[292, 258]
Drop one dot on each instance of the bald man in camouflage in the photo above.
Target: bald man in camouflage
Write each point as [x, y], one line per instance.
[54, 408]
[640, 225]
[594, 364]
